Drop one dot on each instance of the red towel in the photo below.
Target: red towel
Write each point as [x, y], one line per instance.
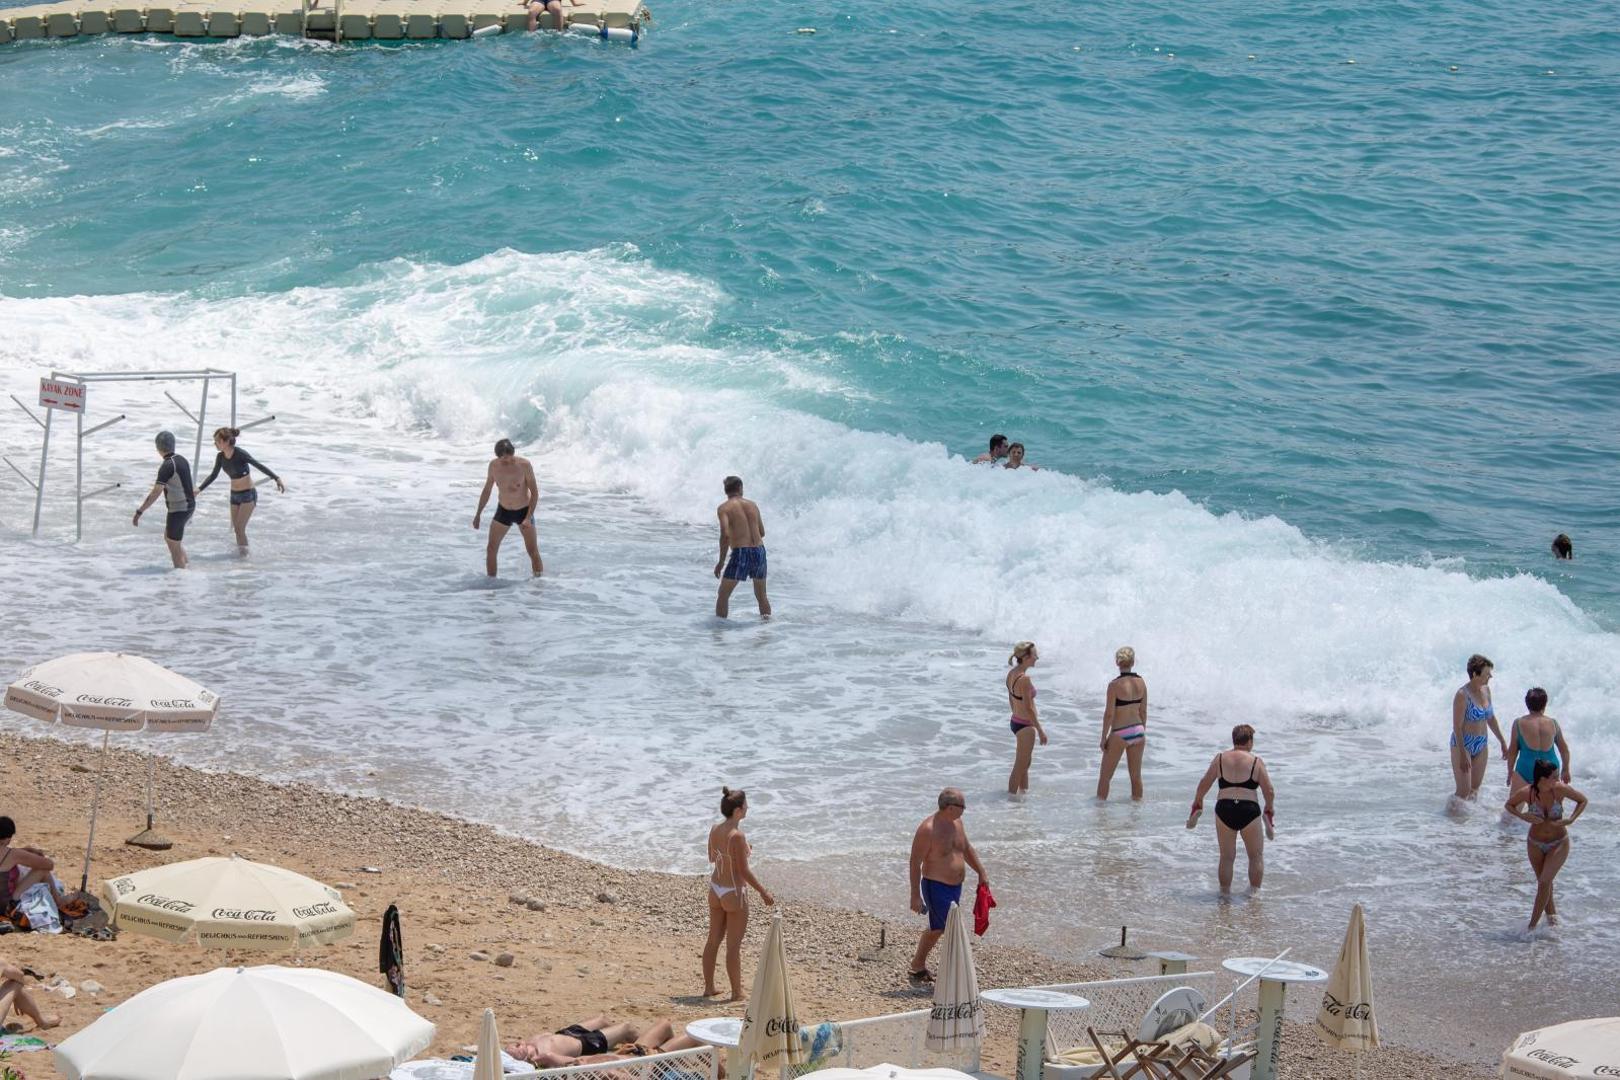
[982, 903]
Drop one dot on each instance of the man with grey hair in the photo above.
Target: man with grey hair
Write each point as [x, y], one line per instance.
[174, 484]
[940, 855]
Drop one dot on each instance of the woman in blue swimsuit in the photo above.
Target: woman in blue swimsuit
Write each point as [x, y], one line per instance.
[1536, 737]
[1541, 803]
[1472, 714]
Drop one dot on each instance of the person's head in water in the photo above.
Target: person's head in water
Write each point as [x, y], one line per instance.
[1242, 737]
[164, 442]
[1535, 699]
[998, 446]
[1480, 668]
[1015, 455]
[952, 799]
[504, 448]
[733, 486]
[226, 437]
[1542, 770]
[1023, 653]
[1563, 547]
[1124, 658]
[733, 804]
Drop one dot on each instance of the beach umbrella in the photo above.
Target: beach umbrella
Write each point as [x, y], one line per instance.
[956, 1022]
[111, 692]
[257, 1023]
[228, 903]
[487, 1066]
[1578, 1050]
[1346, 1019]
[887, 1072]
[770, 1031]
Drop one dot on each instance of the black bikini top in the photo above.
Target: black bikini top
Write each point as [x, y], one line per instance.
[1118, 701]
[1251, 783]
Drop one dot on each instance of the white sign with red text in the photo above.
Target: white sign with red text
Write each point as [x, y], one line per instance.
[67, 396]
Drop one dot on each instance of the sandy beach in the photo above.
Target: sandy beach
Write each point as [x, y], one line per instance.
[602, 940]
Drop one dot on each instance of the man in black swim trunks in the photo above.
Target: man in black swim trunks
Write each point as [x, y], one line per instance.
[592, 1036]
[519, 493]
[174, 484]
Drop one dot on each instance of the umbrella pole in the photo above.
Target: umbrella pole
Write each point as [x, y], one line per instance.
[95, 804]
[149, 837]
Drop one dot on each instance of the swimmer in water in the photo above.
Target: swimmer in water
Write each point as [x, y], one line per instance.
[1563, 547]
[998, 450]
[519, 494]
[1471, 714]
[1533, 738]
[1541, 804]
[1015, 458]
[1026, 722]
[174, 485]
[1237, 805]
[1124, 724]
[234, 461]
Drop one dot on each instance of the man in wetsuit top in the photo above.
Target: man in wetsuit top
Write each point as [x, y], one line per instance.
[174, 484]
[519, 493]
[743, 534]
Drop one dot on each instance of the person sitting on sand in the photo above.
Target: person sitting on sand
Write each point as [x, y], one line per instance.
[1124, 724]
[538, 8]
[728, 892]
[14, 995]
[1542, 803]
[1535, 737]
[1471, 714]
[998, 450]
[21, 868]
[1237, 805]
[587, 1038]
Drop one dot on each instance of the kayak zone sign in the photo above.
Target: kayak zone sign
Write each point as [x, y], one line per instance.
[67, 396]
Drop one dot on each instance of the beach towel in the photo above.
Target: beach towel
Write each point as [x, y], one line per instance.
[391, 952]
[982, 903]
[17, 1044]
[37, 903]
[825, 1040]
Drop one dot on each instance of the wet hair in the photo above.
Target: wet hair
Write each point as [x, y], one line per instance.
[1020, 651]
[1125, 656]
[997, 440]
[1563, 547]
[1243, 735]
[733, 485]
[8, 829]
[165, 442]
[504, 448]
[951, 797]
[1477, 664]
[228, 434]
[731, 801]
[1542, 770]
[1015, 446]
[1535, 699]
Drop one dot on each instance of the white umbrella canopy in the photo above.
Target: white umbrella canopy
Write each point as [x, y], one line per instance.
[1346, 1019]
[956, 1022]
[487, 1066]
[888, 1072]
[770, 1031]
[228, 903]
[258, 1023]
[1577, 1050]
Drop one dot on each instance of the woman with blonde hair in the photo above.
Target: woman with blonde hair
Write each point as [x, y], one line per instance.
[1124, 724]
[235, 462]
[729, 883]
[1026, 722]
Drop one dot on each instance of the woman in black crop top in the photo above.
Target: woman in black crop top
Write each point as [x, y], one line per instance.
[234, 462]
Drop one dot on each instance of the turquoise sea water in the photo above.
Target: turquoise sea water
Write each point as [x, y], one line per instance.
[1317, 357]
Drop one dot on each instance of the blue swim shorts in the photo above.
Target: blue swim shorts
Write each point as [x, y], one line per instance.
[938, 898]
[746, 563]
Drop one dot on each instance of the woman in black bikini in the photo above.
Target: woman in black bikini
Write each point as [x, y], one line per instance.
[1026, 722]
[1237, 807]
[1124, 724]
[1542, 802]
[235, 462]
[729, 883]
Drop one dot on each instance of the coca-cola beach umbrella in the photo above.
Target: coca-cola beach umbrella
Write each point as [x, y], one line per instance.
[956, 1022]
[1346, 1019]
[770, 1031]
[228, 903]
[1578, 1050]
[111, 692]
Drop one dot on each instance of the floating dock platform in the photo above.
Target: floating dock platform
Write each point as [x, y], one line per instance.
[327, 20]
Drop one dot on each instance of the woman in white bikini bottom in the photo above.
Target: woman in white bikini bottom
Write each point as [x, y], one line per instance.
[728, 893]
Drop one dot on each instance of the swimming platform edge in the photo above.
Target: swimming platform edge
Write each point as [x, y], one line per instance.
[329, 20]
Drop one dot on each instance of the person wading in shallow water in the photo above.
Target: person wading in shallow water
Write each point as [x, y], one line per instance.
[519, 494]
[235, 462]
[1541, 804]
[742, 532]
[1026, 721]
[1471, 714]
[1243, 779]
[173, 485]
[940, 855]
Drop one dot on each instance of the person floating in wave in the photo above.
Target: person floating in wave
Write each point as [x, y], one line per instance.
[997, 451]
[1535, 737]
[1238, 812]
[1124, 731]
[940, 855]
[1471, 714]
[1563, 547]
[537, 8]
[743, 534]
[234, 461]
[519, 494]
[1542, 803]
[1015, 459]
[174, 485]
[1026, 722]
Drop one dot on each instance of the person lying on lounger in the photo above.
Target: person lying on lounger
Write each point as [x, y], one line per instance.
[588, 1038]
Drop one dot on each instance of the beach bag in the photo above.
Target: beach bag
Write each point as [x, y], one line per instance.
[37, 904]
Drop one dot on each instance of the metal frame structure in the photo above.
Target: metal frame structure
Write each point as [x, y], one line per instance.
[84, 378]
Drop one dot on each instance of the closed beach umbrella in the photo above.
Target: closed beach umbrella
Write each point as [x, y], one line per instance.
[956, 1022]
[111, 692]
[770, 1031]
[257, 1023]
[228, 903]
[488, 1064]
[1578, 1050]
[1346, 1019]
[887, 1072]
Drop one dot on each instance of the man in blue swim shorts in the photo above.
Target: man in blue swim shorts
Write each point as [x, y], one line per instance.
[743, 534]
[940, 855]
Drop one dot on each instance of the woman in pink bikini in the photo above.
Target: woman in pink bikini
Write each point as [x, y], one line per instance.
[1124, 725]
[728, 896]
[1026, 722]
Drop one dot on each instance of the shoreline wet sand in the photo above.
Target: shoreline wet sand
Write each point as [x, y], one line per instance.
[596, 938]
